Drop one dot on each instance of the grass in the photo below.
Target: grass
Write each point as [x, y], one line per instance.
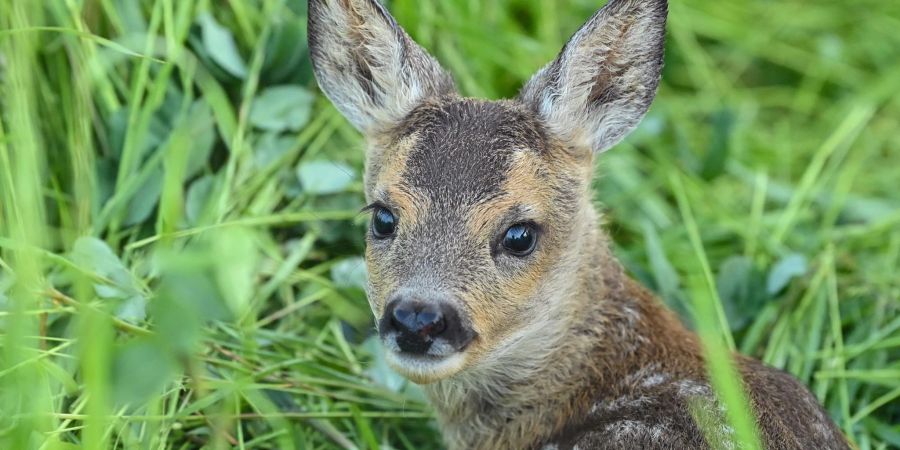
[180, 245]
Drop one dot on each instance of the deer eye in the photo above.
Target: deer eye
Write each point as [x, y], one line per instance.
[384, 223]
[520, 239]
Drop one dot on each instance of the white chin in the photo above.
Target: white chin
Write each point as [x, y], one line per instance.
[425, 369]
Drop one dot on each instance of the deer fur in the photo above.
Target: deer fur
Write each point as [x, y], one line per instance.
[569, 351]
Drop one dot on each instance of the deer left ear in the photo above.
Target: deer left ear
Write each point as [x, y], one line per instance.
[602, 83]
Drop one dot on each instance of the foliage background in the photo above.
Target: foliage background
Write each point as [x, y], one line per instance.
[180, 244]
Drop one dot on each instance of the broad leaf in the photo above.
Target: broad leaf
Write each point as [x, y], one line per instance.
[349, 273]
[740, 287]
[140, 369]
[219, 44]
[96, 256]
[282, 108]
[787, 268]
[324, 177]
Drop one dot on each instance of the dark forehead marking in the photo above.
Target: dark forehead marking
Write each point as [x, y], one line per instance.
[464, 146]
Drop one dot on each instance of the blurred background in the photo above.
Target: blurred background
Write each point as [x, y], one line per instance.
[180, 241]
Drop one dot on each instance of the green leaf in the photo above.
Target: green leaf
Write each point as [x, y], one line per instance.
[270, 147]
[378, 370]
[105, 174]
[367, 437]
[95, 255]
[140, 369]
[145, 199]
[131, 305]
[236, 258]
[663, 273]
[202, 131]
[54, 443]
[185, 302]
[189, 295]
[6, 282]
[157, 131]
[380, 373]
[133, 309]
[651, 126]
[131, 16]
[197, 200]
[349, 304]
[740, 287]
[61, 375]
[718, 151]
[786, 269]
[285, 50]
[349, 273]
[324, 177]
[889, 433]
[4, 307]
[219, 44]
[282, 108]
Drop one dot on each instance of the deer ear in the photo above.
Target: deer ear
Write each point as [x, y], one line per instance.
[602, 83]
[367, 65]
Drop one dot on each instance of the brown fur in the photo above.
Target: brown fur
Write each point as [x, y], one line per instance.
[568, 352]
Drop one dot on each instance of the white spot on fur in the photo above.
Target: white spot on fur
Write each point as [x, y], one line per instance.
[619, 403]
[631, 314]
[692, 388]
[655, 380]
[627, 429]
[647, 377]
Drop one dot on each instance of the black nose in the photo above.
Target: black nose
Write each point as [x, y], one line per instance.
[419, 322]
[415, 318]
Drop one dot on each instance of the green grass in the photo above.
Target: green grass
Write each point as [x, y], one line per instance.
[180, 244]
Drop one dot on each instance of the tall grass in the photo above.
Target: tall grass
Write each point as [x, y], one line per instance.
[180, 245]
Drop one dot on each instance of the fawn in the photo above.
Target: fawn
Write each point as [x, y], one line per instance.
[489, 277]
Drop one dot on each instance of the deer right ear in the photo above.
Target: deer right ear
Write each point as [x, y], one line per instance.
[368, 66]
[601, 84]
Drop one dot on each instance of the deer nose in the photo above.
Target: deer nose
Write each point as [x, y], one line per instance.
[416, 322]
[422, 320]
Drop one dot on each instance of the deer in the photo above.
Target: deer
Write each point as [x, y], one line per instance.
[490, 278]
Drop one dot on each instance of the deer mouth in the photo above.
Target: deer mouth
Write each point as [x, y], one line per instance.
[426, 368]
[425, 334]
[441, 360]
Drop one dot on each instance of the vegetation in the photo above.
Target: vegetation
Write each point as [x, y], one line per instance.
[180, 240]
